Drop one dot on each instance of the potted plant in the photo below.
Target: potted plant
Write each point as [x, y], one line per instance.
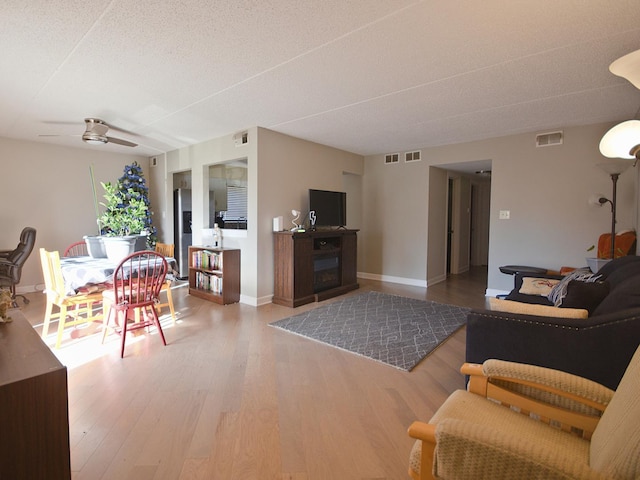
[122, 223]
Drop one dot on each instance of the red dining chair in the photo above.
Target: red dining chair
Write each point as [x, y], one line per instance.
[130, 304]
[77, 249]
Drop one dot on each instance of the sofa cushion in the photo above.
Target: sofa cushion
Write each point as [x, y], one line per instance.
[557, 294]
[621, 274]
[516, 296]
[587, 295]
[613, 265]
[626, 295]
[509, 306]
[537, 286]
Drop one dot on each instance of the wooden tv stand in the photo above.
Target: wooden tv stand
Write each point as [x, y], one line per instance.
[314, 265]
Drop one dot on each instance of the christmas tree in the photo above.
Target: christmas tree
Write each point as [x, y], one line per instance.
[132, 185]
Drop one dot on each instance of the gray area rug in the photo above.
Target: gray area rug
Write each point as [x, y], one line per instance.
[395, 330]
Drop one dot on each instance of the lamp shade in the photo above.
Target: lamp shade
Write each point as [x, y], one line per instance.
[628, 67]
[621, 140]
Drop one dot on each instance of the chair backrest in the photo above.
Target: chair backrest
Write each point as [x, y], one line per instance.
[138, 279]
[19, 256]
[165, 249]
[615, 445]
[77, 249]
[52, 272]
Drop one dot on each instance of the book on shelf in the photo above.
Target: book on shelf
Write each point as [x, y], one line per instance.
[207, 260]
[208, 282]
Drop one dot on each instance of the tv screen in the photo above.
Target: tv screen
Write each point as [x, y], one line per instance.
[330, 207]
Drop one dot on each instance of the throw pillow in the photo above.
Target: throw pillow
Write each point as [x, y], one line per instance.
[537, 286]
[587, 295]
[558, 292]
[500, 305]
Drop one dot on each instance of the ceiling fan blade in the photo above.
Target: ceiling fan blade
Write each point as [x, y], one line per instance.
[120, 141]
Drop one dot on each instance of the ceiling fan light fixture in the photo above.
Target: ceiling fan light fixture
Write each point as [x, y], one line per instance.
[94, 139]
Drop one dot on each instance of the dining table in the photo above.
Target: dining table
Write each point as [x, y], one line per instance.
[84, 272]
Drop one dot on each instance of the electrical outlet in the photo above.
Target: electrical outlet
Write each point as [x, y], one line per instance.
[505, 214]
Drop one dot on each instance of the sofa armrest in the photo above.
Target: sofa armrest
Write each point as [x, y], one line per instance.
[598, 348]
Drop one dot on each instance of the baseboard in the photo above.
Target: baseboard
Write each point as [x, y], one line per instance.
[388, 278]
[492, 292]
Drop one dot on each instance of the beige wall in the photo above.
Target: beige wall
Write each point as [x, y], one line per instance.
[545, 189]
[281, 169]
[48, 187]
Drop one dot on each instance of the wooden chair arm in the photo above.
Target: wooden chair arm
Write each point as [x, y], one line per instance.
[514, 394]
[422, 431]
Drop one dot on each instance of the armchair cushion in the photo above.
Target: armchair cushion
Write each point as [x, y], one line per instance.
[497, 436]
[615, 444]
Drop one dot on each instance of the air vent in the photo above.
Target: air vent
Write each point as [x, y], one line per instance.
[154, 161]
[412, 156]
[241, 138]
[549, 139]
[391, 158]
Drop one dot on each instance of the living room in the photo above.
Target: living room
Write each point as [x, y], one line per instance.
[468, 86]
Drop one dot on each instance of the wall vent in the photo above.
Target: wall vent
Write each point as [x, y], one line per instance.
[241, 138]
[391, 158]
[412, 156]
[548, 139]
[154, 161]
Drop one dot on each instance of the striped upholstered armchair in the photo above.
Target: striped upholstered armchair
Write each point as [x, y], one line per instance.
[558, 426]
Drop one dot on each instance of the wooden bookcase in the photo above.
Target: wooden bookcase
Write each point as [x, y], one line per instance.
[214, 274]
[34, 412]
[314, 265]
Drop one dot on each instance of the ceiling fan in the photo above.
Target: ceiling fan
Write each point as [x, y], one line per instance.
[96, 133]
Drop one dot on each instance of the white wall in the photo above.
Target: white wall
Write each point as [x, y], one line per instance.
[48, 187]
[545, 189]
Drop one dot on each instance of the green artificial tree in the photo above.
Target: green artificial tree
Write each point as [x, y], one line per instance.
[132, 194]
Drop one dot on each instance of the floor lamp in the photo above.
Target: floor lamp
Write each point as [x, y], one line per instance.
[614, 170]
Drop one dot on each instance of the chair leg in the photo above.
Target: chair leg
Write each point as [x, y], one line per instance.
[61, 322]
[156, 320]
[47, 319]
[170, 300]
[123, 330]
[106, 315]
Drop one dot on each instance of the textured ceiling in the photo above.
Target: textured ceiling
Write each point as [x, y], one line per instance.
[367, 76]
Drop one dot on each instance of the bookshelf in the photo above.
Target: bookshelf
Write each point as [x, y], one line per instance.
[214, 274]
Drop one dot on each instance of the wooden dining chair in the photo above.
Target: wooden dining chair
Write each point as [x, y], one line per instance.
[166, 250]
[77, 249]
[57, 296]
[130, 304]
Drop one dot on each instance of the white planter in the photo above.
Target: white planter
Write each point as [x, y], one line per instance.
[596, 264]
[117, 248]
[95, 246]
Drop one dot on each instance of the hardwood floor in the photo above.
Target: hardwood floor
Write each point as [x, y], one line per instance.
[231, 398]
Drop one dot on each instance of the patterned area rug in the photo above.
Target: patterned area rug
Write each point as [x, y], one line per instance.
[394, 330]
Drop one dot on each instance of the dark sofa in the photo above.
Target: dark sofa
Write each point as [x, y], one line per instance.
[598, 347]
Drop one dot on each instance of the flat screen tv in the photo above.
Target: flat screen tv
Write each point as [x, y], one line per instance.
[330, 208]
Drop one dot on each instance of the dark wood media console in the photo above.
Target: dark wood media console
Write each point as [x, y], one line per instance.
[314, 265]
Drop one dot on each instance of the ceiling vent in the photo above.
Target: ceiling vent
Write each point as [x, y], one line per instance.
[412, 156]
[391, 158]
[549, 139]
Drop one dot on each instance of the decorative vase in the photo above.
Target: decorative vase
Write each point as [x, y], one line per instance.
[117, 248]
[141, 243]
[95, 246]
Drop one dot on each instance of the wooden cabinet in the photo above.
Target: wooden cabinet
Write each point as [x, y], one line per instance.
[34, 412]
[214, 274]
[314, 265]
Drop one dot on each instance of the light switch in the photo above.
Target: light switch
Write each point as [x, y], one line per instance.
[505, 214]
